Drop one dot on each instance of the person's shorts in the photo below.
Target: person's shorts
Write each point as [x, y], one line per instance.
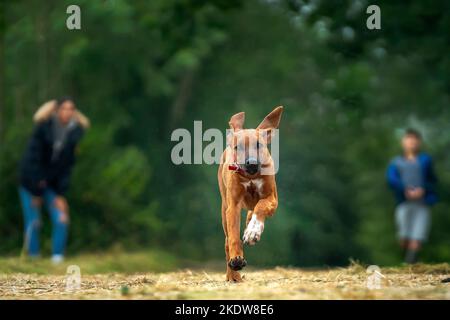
[413, 221]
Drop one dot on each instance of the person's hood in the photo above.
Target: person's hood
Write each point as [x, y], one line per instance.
[49, 108]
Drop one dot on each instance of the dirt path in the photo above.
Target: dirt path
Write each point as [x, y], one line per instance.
[277, 283]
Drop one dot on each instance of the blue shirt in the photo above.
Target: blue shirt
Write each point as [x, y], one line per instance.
[401, 175]
[410, 172]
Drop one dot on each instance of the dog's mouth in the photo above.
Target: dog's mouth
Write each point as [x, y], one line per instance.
[251, 168]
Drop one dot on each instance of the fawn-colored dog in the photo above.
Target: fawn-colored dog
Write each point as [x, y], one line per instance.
[247, 181]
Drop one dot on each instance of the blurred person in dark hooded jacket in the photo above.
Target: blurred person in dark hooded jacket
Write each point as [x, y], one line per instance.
[45, 172]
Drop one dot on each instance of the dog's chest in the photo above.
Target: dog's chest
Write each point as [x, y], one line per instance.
[253, 187]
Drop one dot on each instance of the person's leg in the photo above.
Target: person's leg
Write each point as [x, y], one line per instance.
[419, 233]
[404, 243]
[59, 227]
[412, 251]
[403, 224]
[32, 225]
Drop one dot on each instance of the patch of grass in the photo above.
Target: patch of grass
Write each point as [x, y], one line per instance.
[356, 267]
[157, 275]
[421, 268]
[275, 283]
[94, 263]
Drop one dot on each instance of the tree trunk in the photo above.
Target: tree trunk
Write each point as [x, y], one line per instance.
[184, 94]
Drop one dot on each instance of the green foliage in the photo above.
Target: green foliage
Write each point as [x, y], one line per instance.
[111, 261]
[139, 69]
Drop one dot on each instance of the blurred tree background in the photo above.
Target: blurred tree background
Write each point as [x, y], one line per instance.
[140, 69]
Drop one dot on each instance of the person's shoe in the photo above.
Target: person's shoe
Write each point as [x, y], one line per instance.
[411, 256]
[57, 258]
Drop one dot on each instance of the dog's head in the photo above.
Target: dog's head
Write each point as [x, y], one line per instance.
[249, 147]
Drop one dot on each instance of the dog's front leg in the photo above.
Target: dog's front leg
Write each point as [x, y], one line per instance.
[255, 227]
[233, 215]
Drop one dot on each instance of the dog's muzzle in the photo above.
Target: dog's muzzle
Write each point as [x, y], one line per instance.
[251, 166]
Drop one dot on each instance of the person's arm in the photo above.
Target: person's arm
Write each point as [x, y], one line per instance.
[63, 182]
[430, 182]
[431, 176]
[35, 161]
[60, 188]
[393, 179]
[63, 179]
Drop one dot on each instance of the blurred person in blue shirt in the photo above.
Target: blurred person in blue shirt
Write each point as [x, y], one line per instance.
[412, 180]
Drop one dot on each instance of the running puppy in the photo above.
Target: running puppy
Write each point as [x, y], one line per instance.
[247, 181]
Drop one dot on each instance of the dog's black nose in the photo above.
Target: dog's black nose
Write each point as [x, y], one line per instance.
[251, 165]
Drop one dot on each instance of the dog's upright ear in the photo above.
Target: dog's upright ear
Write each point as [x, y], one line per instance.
[237, 121]
[271, 121]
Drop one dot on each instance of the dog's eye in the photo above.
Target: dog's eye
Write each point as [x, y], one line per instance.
[235, 147]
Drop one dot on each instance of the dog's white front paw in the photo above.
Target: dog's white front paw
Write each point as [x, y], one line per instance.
[252, 233]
